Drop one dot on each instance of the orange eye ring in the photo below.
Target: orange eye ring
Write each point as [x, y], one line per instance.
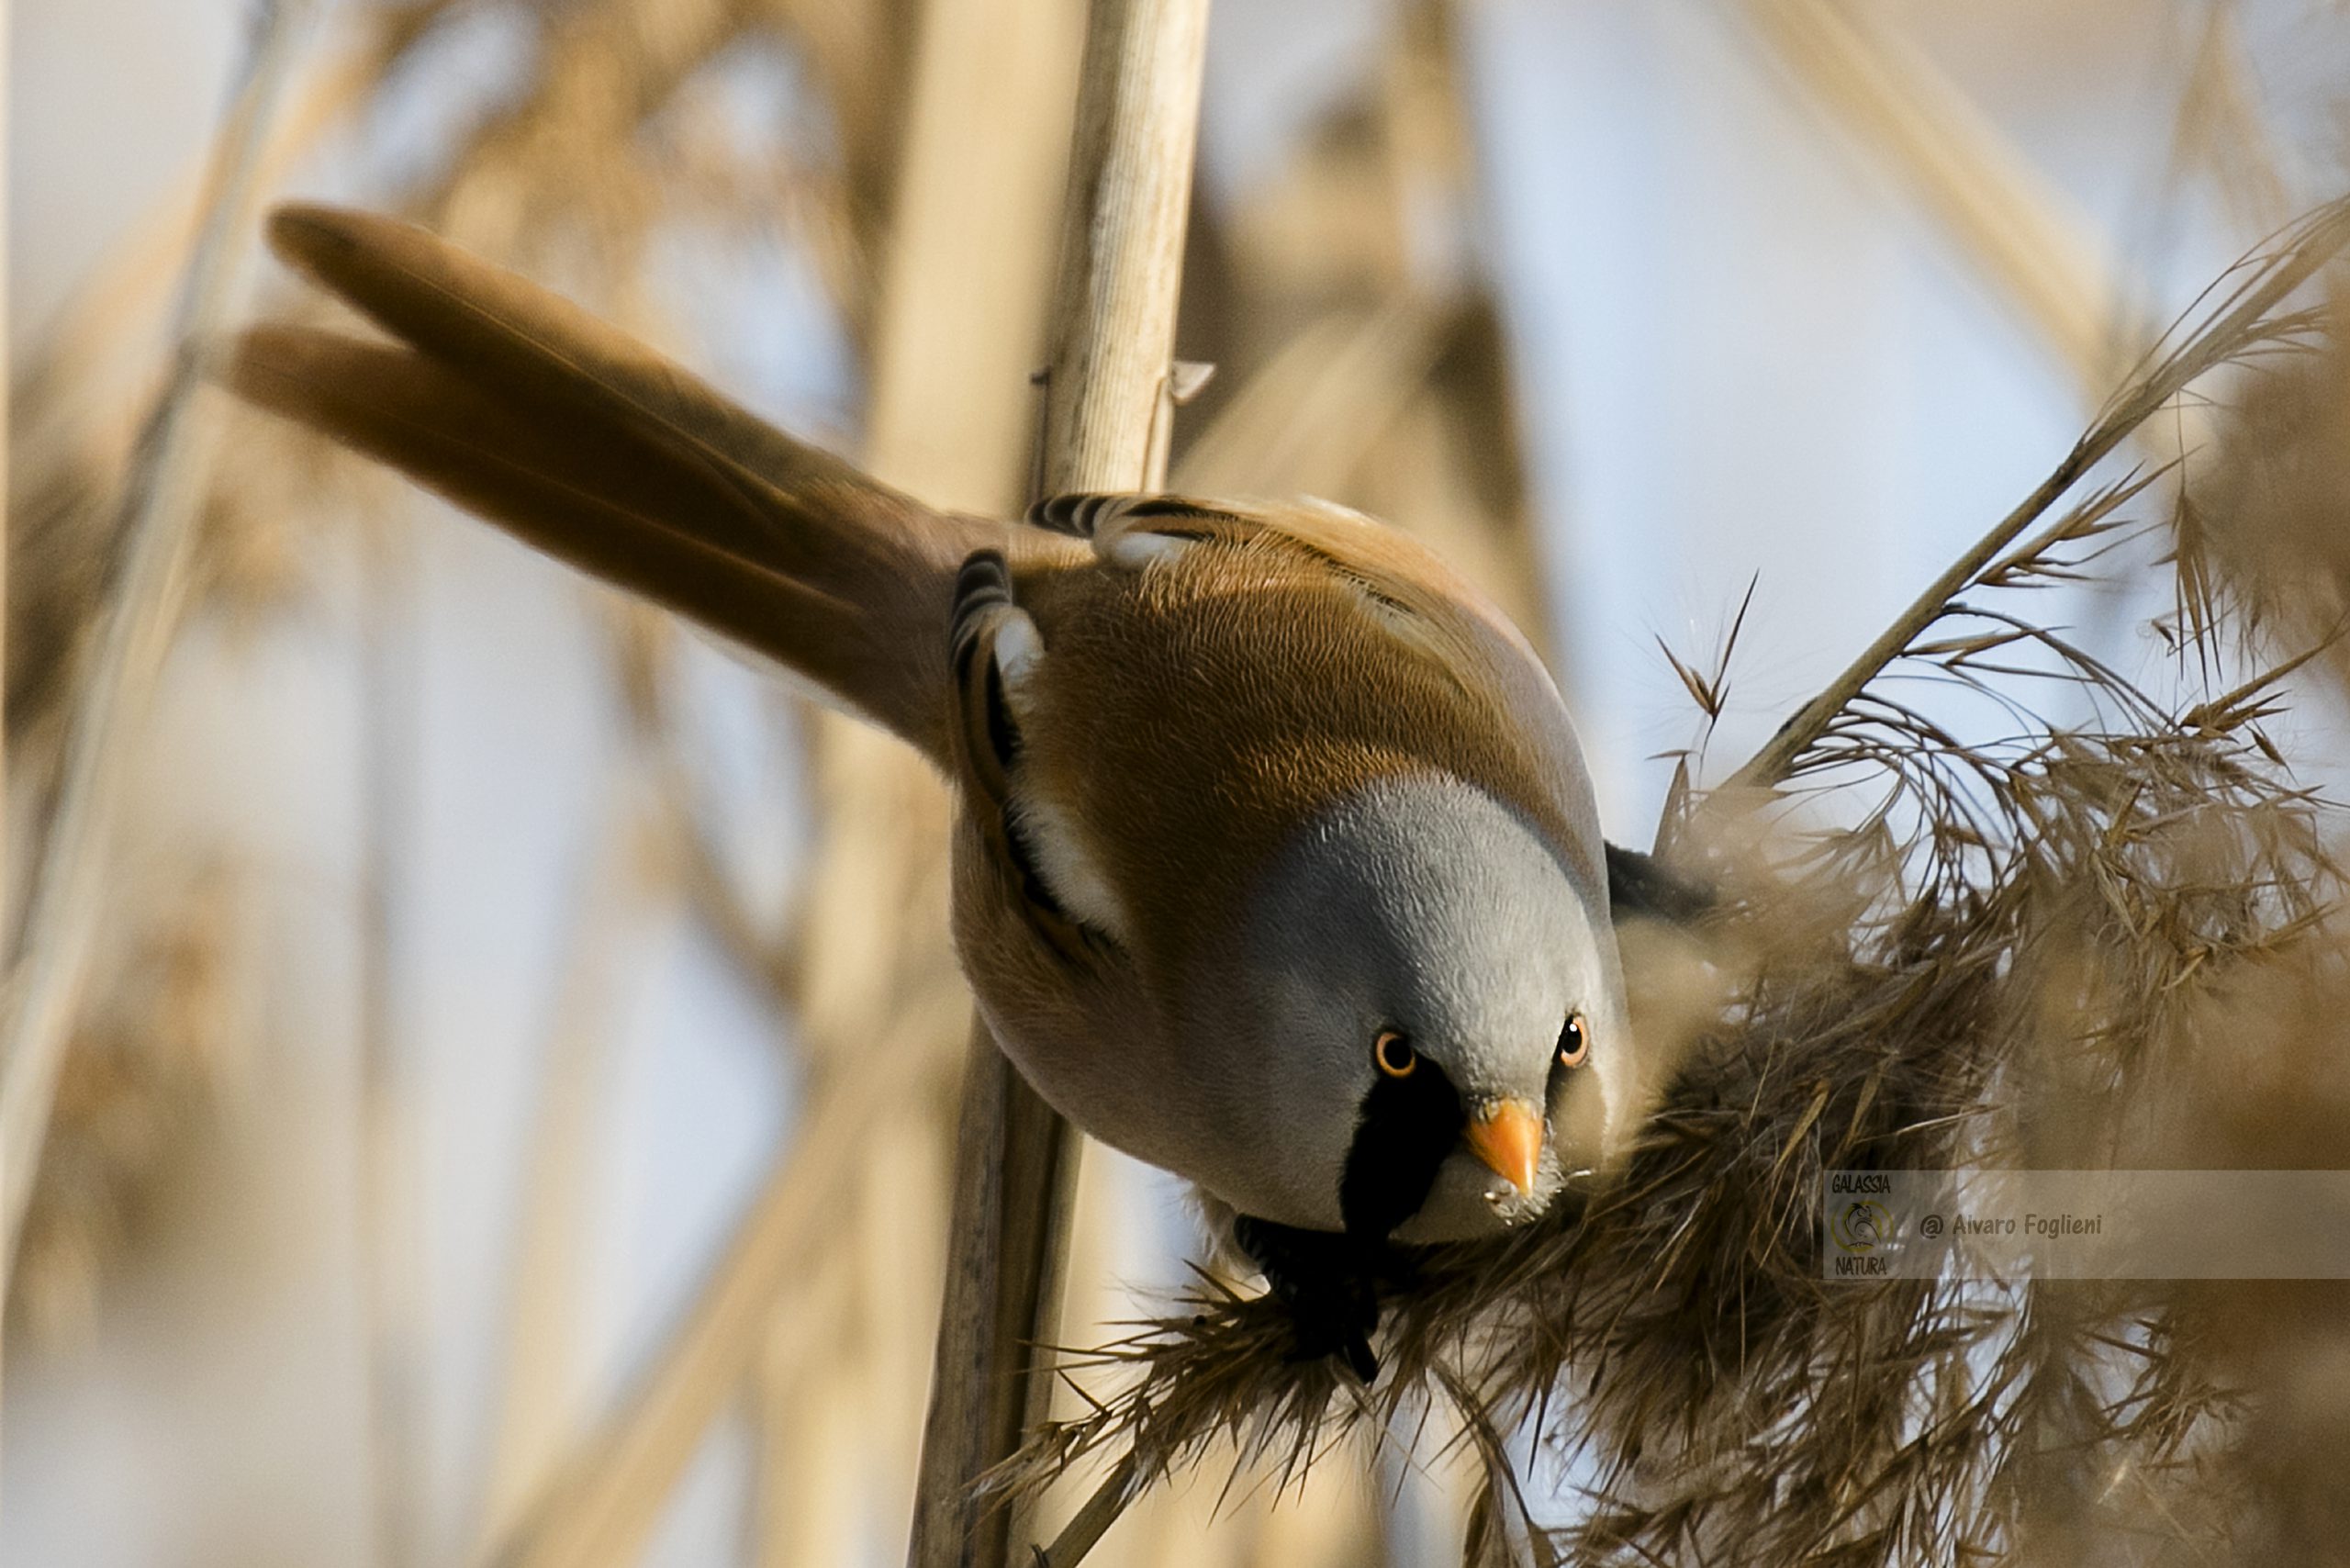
[1574, 1041]
[1394, 1054]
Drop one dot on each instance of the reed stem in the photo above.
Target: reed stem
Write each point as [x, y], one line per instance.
[2241, 322]
[1108, 408]
[63, 903]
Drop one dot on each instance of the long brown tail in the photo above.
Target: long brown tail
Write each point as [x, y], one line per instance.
[521, 406]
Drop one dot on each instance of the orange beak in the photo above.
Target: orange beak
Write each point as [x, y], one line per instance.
[1507, 1136]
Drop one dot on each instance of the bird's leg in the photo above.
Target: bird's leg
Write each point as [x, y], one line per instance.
[1328, 1281]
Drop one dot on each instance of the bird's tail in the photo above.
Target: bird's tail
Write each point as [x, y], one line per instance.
[521, 406]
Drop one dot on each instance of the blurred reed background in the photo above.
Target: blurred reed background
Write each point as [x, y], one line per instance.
[506, 1112]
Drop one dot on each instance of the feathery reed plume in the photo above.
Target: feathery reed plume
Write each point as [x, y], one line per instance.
[2064, 920]
[2260, 532]
[51, 956]
[79, 391]
[1974, 960]
[137, 1084]
[2250, 1074]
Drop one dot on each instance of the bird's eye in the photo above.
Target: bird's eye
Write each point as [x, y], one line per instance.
[1394, 1054]
[1574, 1041]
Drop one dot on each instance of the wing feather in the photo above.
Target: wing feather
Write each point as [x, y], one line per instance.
[521, 407]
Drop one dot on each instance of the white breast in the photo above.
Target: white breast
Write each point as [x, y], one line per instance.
[1068, 863]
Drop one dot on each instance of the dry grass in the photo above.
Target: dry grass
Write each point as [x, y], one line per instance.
[134, 617]
[615, 104]
[1989, 956]
[136, 1092]
[2053, 942]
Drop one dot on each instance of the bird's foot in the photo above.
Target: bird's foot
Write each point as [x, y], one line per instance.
[1328, 1281]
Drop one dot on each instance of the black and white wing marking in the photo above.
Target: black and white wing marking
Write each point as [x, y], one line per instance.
[995, 653]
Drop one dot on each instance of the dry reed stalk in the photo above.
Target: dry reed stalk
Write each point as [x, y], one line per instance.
[2245, 325]
[389, 1178]
[2052, 907]
[63, 902]
[1364, 370]
[1109, 401]
[809, 1507]
[1109, 388]
[79, 388]
[955, 331]
[603, 1504]
[2221, 132]
[2037, 249]
[133, 285]
[6, 432]
[539, 1399]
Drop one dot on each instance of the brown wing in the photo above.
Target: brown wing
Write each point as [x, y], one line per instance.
[1229, 669]
[1392, 583]
[988, 747]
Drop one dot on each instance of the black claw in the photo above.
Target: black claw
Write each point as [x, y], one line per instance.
[1330, 1284]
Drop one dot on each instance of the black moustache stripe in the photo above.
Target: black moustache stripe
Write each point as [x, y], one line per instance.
[1407, 1128]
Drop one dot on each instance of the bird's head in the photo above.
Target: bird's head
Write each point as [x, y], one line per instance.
[1427, 995]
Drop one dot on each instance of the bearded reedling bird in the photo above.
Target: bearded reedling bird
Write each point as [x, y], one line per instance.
[1276, 863]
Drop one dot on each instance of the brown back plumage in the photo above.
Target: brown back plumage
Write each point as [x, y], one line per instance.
[1287, 657]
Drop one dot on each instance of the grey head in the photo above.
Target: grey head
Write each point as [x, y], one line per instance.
[1421, 925]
